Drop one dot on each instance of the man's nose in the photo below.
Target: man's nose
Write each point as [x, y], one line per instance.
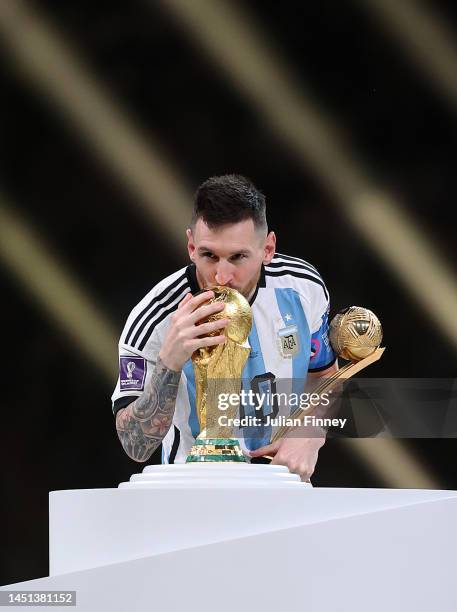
[223, 274]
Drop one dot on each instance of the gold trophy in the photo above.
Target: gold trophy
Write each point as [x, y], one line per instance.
[355, 335]
[218, 369]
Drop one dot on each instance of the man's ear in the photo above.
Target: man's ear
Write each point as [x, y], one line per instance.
[190, 244]
[269, 248]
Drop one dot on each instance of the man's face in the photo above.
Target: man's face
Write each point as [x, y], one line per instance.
[231, 255]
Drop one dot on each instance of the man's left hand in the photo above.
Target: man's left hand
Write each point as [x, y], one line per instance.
[298, 454]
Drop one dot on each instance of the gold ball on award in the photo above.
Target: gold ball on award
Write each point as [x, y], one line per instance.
[355, 333]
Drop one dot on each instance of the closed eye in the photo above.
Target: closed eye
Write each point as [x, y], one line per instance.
[234, 258]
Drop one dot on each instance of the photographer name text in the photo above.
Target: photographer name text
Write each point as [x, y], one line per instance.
[280, 421]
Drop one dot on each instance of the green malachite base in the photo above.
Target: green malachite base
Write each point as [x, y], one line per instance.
[216, 449]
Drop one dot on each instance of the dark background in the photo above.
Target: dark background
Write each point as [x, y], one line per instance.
[57, 425]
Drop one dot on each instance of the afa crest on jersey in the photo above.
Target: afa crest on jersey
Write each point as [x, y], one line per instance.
[288, 341]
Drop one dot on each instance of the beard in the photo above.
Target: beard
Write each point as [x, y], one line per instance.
[248, 291]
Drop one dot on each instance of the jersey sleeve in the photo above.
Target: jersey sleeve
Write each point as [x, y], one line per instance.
[135, 369]
[322, 354]
[142, 337]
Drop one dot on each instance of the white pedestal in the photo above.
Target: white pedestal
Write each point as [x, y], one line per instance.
[265, 541]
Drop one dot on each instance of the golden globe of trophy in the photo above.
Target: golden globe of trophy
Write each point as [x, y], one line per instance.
[218, 369]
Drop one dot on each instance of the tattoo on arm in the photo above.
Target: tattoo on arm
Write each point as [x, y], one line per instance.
[143, 424]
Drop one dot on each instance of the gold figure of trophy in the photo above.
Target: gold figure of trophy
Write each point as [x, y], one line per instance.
[218, 369]
[355, 335]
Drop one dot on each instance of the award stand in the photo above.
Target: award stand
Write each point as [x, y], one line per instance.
[180, 536]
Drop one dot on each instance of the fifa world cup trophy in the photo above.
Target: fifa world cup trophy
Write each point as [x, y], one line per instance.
[218, 370]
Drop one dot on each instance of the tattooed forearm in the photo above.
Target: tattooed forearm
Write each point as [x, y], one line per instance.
[142, 425]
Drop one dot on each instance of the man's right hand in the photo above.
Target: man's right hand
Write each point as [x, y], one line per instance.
[184, 335]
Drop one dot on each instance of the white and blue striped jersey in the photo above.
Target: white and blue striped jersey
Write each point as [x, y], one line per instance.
[289, 338]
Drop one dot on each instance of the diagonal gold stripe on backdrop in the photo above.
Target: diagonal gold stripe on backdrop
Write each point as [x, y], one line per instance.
[31, 262]
[111, 134]
[392, 462]
[426, 38]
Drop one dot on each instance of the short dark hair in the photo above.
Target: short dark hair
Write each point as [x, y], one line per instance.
[231, 198]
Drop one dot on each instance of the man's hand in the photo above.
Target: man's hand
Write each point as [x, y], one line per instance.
[298, 454]
[184, 335]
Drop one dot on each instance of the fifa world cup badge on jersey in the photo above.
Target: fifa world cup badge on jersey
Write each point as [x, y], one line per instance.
[288, 341]
[132, 372]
